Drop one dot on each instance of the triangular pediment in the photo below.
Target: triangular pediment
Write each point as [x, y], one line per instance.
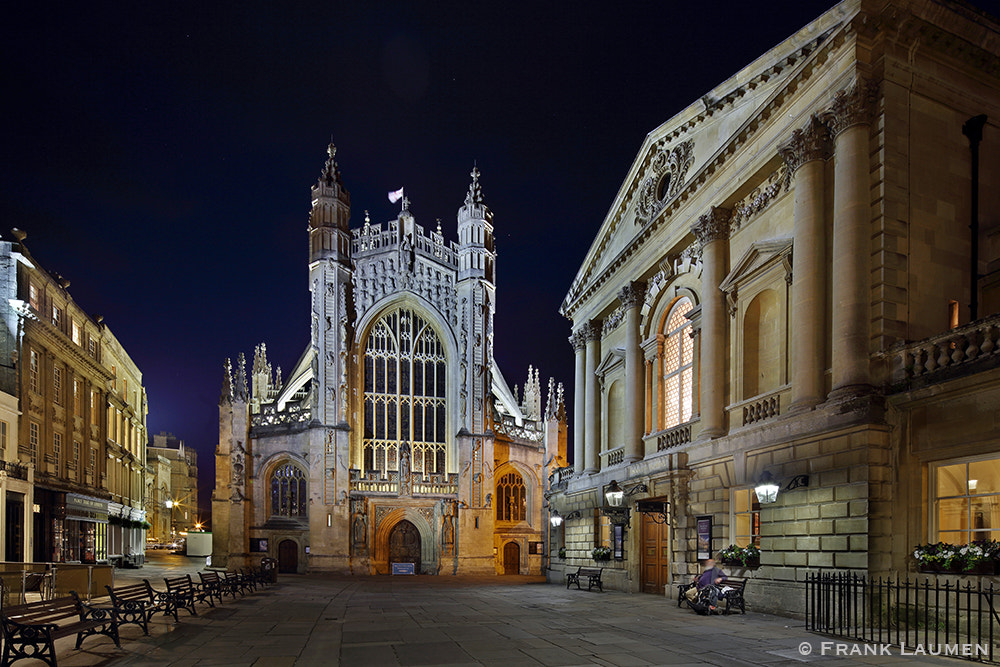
[677, 158]
[759, 258]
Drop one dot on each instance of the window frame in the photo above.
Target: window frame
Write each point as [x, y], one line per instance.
[755, 517]
[933, 525]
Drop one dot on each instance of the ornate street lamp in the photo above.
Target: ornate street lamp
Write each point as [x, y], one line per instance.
[615, 509]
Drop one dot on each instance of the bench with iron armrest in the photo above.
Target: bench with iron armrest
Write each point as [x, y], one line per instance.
[593, 575]
[30, 630]
[239, 582]
[135, 604]
[184, 593]
[731, 590]
[214, 586]
[251, 578]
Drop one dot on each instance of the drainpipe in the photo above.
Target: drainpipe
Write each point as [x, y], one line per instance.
[973, 129]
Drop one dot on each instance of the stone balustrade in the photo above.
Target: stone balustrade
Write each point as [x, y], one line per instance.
[974, 342]
[759, 408]
[672, 437]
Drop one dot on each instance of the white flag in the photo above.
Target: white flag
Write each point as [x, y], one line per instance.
[396, 196]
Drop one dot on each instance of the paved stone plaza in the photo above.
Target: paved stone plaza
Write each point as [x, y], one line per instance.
[411, 621]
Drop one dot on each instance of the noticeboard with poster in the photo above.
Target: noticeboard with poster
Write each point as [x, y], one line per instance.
[704, 537]
[258, 545]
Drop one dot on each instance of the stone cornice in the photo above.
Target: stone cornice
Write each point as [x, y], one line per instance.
[46, 334]
[806, 59]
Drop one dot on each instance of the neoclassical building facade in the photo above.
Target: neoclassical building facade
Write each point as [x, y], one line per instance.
[395, 440]
[786, 287]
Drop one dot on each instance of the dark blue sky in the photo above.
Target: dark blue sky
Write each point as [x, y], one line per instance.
[160, 155]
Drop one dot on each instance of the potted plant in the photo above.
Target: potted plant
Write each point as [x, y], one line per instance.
[748, 556]
[562, 552]
[975, 558]
[601, 553]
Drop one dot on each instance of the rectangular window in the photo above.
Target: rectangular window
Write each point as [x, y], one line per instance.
[57, 445]
[3, 438]
[77, 397]
[56, 317]
[966, 501]
[602, 529]
[33, 371]
[92, 347]
[953, 314]
[95, 407]
[745, 518]
[33, 441]
[33, 296]
[77, 334]
[93, 461]
[76, 452]
[57, 385]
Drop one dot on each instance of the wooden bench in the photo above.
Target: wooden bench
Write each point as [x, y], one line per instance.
[733, 596]
[30, 630]
[593, 575]
[135, 604]
[184, 593]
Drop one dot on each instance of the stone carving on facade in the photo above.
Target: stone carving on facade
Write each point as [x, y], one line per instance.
[405, 474]
[449, 508]
[854, 106]
[613, 321]
[807, 144]
[592, 330]
[712, 226]
[664, 180]
[760, 198]
[359, 526]
[631, 295]
[577, 340]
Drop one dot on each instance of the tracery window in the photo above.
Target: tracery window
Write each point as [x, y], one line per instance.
[288, 491]
[511, 498]
[404, 400]
[676, 367]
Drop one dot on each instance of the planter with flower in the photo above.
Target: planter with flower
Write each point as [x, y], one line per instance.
[975, 558]
[748, 557]
[562, 552]
[601, 553]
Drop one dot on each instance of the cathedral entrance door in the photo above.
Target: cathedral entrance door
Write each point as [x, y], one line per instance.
[404, 544]
[511, 558]
[655, 555]
[288, 557]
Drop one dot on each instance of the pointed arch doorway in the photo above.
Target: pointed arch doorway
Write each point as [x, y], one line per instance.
[404, 544]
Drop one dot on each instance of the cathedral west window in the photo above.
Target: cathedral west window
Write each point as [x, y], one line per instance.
[288, 492]
[511, 498]
[404, 398]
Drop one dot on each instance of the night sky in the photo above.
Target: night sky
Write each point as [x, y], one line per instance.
[160, 155]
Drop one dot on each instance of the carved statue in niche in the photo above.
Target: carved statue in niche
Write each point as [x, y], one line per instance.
[448, 508]
[405, 477]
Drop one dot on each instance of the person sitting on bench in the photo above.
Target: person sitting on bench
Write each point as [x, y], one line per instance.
[710, 581]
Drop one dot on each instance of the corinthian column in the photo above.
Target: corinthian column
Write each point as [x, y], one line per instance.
[849, 121]
[579, 398]
[805, 154]
[631, 297]
[591, 428]
[712, 232]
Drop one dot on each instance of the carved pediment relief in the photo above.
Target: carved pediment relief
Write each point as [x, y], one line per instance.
[664, 179]
[760, 258]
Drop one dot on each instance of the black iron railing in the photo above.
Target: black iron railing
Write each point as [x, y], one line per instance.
[904, 613]
[15, 470]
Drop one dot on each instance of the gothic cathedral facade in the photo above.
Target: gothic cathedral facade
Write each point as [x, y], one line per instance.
[395, 440]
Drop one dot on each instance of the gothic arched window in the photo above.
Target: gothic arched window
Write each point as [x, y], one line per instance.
[511, 498]
[288, 491]
[676, 367]
[405, 385]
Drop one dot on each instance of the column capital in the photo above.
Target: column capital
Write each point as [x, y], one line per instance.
[592, 330]
[807, 144]
[577, 340]
[632, 294]
[712, 226]
[853, 106]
